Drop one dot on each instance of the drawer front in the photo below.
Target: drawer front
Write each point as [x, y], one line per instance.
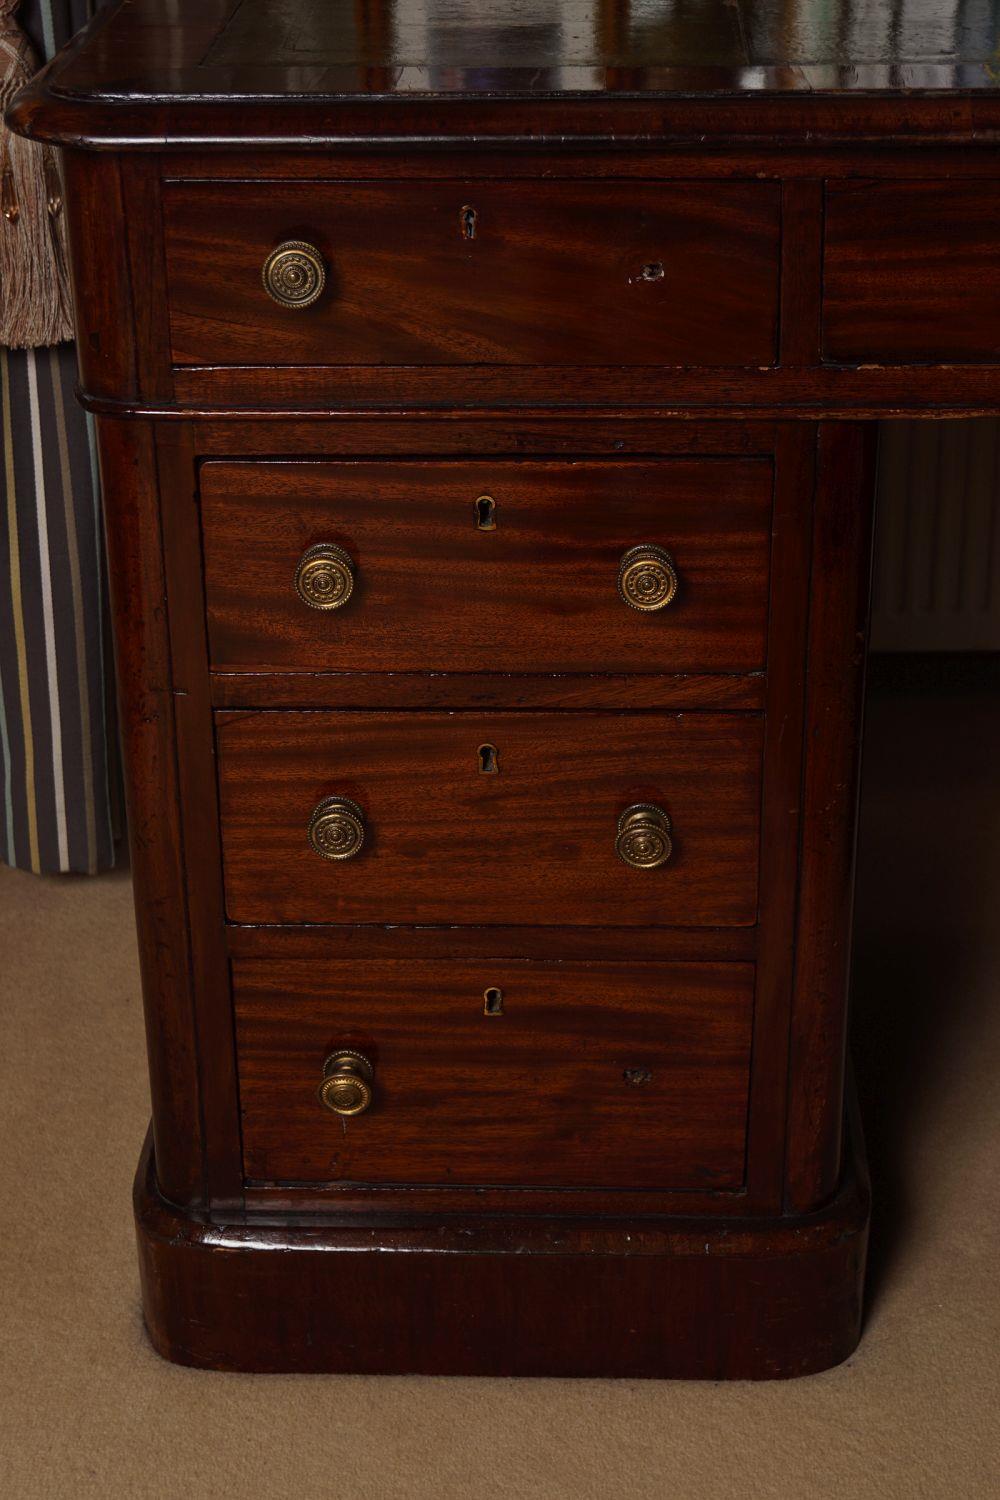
[482, 566]
[478, 273]
[588, 1075]
[912, 272]
[483, 819]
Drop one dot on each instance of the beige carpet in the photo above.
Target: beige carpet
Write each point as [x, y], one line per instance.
[87, 1409]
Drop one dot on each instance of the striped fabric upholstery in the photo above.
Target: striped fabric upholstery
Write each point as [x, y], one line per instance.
[56, 806]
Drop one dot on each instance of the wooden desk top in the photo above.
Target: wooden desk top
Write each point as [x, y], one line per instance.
[235, 71]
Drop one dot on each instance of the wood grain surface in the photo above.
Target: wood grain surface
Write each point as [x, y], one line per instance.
[560, 273]
[534, 843]
[911, 273]
[508, 1294]
[538, 593]
[593, 1075]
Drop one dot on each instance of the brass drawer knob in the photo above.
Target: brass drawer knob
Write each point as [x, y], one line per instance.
[294, 274]
[337, 828]
[647, 578]
[644, 836]
[346, 1088]
[324, 578]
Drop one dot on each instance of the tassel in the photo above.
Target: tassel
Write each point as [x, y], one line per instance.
[35, 299]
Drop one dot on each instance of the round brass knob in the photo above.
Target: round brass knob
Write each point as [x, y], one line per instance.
[324, 578]
[294, 274]
[337, 828]
[346, 1088]
[644, 836]
[647, 578]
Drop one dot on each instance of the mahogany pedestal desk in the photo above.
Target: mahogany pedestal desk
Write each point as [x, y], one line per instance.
[487, 406]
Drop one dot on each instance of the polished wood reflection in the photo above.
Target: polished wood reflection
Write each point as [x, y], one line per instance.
[277, 48]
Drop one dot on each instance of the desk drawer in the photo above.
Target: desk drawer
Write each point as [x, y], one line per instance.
[505, 818]
[537, 590]
[911, 272]
[478, 273]
[586, 1075]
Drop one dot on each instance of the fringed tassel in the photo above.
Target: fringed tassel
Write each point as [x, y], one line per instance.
[35, 300]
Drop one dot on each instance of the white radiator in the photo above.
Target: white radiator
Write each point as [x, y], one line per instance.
[937, 548]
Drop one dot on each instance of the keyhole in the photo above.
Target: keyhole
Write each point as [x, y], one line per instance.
[492, 1002]
[486, 513]
[489, 764]
[637, 1076]
[468, 218]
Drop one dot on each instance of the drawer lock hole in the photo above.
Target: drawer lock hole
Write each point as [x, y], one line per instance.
[486, 513]
[468, 219]
[492, 1002]
[489, 760]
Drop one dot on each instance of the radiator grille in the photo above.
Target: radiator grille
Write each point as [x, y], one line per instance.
[937, 552]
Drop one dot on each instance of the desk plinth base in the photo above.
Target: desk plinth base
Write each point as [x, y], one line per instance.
[668, 1298]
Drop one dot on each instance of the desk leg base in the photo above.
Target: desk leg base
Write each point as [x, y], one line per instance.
[664, 1298]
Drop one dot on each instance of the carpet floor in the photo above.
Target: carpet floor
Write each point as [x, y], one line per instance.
[86, 1407]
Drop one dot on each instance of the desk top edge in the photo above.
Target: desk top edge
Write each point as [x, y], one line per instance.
[542, 69]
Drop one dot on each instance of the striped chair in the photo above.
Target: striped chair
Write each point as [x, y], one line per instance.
[57, 771]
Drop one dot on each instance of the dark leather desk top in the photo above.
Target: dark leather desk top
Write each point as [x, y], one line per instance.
[519, 69]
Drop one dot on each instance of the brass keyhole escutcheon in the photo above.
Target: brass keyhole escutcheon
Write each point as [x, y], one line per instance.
[493, 1001]
[336, 828]
[647, 578]
[486, 513]
[324, 578]
[346, 1088]
[294, 274]
[489, 760]
[644, 840]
